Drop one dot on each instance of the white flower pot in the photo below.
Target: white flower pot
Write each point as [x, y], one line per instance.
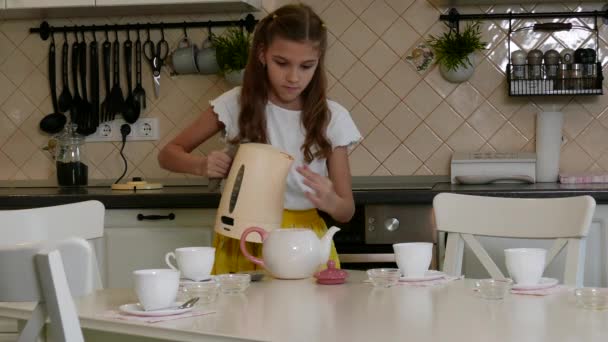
[460, 74]
[235, 78]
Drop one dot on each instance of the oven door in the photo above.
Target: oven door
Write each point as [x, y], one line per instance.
[366, 241]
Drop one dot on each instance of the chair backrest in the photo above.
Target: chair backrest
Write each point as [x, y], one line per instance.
[82, 219]
[35, 272]
[567, 220]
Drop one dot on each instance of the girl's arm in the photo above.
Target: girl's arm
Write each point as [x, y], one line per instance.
[176, 156]
[333, 195]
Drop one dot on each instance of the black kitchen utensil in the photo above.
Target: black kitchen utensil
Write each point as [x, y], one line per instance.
[139, 92]
[93, 121]
[65, 98]
[84, 110]
[54, 122]
[131, 106]
[116, 101]
[106, 52]
[76, 99]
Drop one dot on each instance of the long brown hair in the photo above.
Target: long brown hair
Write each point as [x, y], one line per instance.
[297, 23]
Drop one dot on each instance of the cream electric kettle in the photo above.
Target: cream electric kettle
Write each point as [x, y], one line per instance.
[254, 191]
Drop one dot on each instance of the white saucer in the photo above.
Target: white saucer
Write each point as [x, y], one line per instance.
[190, 281]
[137, 310]
[544, 283]
[428, 275]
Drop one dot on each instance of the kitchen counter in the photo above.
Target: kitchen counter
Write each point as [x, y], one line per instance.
[367, 190]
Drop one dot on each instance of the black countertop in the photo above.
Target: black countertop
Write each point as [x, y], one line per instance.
[367, 190]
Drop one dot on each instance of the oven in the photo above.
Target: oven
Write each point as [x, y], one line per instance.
[366, 241]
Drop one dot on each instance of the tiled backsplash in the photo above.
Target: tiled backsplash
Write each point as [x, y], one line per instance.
[412, 121]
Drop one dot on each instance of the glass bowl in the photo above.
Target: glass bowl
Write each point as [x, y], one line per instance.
[592, 298]
[384, 277]
[492, 288]
[206, 291]
[233, 283]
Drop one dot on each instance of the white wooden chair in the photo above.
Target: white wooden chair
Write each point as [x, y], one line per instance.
[567, 220]
[83, 219]
[36, 272]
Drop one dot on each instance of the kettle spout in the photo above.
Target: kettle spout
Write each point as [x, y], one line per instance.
[326, 244]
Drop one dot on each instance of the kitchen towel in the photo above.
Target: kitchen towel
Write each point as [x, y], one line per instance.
[548, 145]
[115, 314]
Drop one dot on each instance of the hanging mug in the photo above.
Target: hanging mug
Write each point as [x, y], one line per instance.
[183, 59]
[205, 58]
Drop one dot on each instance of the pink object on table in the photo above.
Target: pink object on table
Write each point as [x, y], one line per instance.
[331, 275]
[583, 178]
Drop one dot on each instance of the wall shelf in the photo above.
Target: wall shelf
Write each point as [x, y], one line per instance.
[577, 77]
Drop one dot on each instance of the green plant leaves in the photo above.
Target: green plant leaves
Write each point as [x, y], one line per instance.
[232, 49]
[452, 49]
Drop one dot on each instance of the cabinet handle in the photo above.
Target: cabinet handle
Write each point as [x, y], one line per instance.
[141, 217]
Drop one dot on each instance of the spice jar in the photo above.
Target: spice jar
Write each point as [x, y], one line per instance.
[518, 60]
[551, 59]
[70, 158]
[576, 76]
[535, 58]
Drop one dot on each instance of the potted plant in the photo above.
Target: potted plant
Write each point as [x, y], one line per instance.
[232, 51]
[455, 52]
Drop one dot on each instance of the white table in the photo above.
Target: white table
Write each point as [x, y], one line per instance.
[301, 310]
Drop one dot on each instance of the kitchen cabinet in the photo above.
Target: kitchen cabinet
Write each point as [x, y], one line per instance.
[596, 253]
[47, 4]
[132, 244]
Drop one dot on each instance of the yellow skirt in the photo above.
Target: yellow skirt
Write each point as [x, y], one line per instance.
[228, 256]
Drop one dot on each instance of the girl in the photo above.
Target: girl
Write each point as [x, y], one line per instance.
[283, 103]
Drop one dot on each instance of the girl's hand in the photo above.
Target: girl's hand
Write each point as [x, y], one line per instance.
[218, 164]
[324, 197]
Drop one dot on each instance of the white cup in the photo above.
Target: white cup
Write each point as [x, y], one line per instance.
[413, 258]
[156, 288]
[194, 263]
[525, 265]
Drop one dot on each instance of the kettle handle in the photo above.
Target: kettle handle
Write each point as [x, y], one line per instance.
[263, 234]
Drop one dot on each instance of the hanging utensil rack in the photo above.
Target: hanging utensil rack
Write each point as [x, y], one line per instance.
[544, 85]
[45, 30]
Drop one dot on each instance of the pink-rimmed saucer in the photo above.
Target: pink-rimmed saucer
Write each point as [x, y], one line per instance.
[544, 283]
[428, 276]
[136, 309]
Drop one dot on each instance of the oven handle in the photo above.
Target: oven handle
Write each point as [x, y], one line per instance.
[367, 258]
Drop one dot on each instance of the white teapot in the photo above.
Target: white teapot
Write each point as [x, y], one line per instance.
[293, 253]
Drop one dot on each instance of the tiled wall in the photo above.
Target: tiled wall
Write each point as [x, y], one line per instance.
[412, 121]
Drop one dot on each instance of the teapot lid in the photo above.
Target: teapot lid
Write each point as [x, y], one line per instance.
[331, 275]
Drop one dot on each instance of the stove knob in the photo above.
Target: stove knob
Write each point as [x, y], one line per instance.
[371, 228]
[391, 224]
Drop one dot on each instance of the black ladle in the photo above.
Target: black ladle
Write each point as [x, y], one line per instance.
[131, 105]
[54, 122]
[65, 98]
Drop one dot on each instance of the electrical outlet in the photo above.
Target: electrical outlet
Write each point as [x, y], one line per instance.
[143, 129]
[104, 132]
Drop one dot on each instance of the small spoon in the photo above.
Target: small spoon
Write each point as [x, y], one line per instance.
[190, 303]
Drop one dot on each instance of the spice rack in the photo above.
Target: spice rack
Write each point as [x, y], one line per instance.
[541, 79]
[574, 78]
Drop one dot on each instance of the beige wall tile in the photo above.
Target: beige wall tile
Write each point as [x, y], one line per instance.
[380, 100]
[402, 162]
[381, 142]
[379, 16]
[412, 122]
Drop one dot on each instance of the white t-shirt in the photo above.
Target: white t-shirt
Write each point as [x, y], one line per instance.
[287, 134]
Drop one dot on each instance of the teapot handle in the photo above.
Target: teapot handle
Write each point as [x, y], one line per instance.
[263, 234]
